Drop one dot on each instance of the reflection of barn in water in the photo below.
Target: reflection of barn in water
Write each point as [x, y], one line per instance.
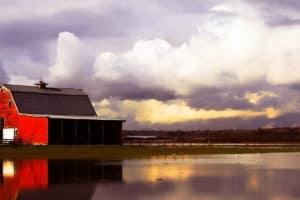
[43, 179]
[22, 175]
[1, 174]
[44, 115]
[71, 171]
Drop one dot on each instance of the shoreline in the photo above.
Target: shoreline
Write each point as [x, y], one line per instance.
[144, 144]
[108, 152]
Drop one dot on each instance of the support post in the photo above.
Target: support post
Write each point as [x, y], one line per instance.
[102, 131]
[89, 132]
[75, 132]
[61, 131]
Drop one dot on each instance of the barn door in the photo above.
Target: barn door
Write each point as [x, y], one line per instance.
[1, 123]
[1, 127]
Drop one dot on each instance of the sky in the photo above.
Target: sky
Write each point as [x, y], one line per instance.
[162, 64]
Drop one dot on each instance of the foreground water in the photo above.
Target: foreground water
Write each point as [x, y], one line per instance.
[247, 176]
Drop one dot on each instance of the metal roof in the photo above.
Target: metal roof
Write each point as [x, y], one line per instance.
[47, 90]
[96, 118]
[52, 101]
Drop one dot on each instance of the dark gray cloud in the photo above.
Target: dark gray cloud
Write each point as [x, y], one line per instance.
[3, 76]
[235, 96]
[277, 12]
[121, 25]
[127, 21]
[117, 20]
[124, 90]
[284, 5]
[287, 120]
[283, 21]
[82, 23]
[128, 90]
[295, 86]
[192, 6]
[218, 98]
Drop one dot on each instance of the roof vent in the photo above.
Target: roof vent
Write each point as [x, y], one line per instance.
[41, 84]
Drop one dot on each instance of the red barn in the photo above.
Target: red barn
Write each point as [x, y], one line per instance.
[44, 115]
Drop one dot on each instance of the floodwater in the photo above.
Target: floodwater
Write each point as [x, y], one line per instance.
[244, 176]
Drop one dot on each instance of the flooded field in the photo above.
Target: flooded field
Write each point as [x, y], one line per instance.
[233, 176]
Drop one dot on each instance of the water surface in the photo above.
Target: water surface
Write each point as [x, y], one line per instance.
[246, 176]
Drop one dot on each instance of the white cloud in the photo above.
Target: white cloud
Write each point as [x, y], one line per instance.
[230, 51]
[73, 64]
[232, 46]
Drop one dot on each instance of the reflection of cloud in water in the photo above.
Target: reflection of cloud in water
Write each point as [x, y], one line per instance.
[243, 183]
[183, 168]
[152, 173]
[285, 161]
[251, 176]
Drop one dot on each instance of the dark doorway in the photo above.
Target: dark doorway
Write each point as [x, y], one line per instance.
[74, 131]
[1, 173]
[1, 127]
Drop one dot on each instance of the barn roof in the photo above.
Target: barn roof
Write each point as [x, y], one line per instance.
[75, 117]
[52, 101]
[48, 90]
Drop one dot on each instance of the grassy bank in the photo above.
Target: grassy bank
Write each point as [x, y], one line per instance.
[125, 152]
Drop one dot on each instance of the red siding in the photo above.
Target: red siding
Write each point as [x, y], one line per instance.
[32, 130]
[9, 113]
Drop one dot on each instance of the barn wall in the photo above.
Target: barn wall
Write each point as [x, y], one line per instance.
[8, 109]
[33, 130]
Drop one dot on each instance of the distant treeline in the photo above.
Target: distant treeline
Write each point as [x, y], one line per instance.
[262, 135]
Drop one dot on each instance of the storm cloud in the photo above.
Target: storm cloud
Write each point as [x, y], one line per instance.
[208, 64]
[3, 75]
